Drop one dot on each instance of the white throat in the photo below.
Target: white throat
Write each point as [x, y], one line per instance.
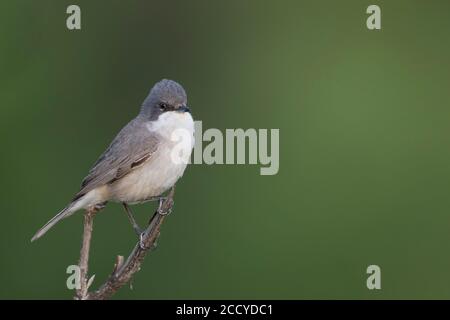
[170, 122]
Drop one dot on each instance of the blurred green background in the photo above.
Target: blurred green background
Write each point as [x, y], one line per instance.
[364, 145]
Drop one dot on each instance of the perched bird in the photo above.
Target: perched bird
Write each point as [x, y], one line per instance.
[140, 164]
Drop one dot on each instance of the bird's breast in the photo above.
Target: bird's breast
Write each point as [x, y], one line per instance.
[165, 166]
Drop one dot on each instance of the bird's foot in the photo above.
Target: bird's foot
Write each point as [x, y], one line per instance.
[99, 206]
[141, 241]
[143, 246]
[164, 211]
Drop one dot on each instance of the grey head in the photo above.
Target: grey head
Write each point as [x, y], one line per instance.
[165, 96]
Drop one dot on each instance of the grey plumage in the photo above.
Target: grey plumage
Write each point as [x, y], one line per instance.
[136, 165]
[61, 215]
[133, 144]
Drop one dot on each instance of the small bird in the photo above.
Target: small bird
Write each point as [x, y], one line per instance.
[139, 165]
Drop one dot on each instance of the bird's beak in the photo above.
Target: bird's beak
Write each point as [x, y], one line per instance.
[184, 109]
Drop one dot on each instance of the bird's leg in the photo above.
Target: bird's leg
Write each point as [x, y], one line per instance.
[161, 211]
[136, 227]
[142, 234]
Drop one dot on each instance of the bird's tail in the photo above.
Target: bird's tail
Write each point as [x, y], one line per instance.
[64, 213]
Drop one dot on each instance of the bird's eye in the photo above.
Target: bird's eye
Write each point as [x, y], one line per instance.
[163, 106]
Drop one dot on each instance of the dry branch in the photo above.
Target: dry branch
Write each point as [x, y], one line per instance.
[84, 254]
[123, 271]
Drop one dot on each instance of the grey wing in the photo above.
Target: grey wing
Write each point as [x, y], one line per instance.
[133, 146]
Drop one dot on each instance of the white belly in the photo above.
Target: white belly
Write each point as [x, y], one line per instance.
[151, 180]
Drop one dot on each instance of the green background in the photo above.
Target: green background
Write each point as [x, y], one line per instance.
[364, 145]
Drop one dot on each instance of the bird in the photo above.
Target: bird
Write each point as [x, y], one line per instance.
[142, 161]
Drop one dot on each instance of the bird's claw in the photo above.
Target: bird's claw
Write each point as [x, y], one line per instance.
[160, 207]
[99, 206]
[141, 241]
[142, 245]
[163, 212]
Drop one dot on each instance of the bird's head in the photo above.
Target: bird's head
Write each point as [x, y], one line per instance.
[165, 96]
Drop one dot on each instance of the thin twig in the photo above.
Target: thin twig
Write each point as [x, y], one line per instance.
[81, 293]
[124, 271]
